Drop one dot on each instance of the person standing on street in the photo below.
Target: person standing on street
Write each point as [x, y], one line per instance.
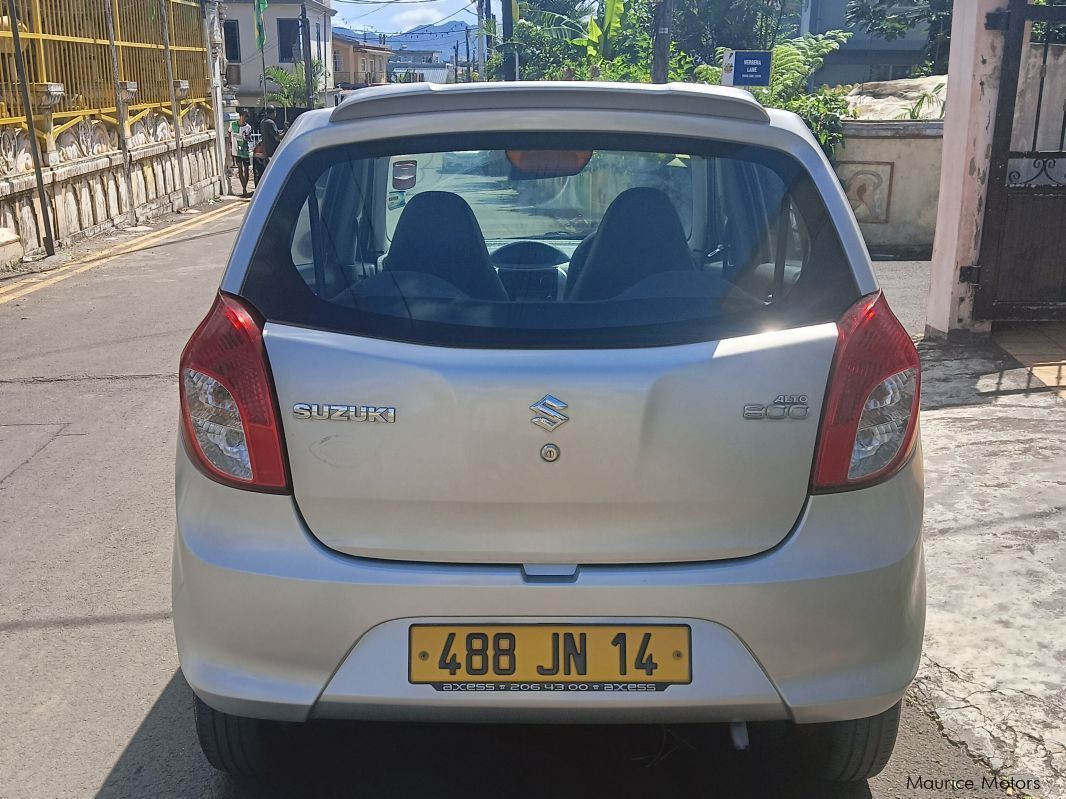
[268, 128]
[243, 153]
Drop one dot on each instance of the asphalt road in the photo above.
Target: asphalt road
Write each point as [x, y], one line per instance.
[91, 699]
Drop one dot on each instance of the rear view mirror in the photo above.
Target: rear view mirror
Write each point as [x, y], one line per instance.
[548, 163]
[404, 175]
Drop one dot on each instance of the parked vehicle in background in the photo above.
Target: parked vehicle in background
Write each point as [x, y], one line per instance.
[550, 402]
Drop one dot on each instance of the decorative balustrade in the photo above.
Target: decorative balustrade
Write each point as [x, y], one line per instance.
[71, 60]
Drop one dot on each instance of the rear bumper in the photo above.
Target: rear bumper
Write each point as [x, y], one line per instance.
[826, 626]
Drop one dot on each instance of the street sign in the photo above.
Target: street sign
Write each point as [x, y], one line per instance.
[746, 68]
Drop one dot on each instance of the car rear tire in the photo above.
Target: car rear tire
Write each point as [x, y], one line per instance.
[236, 745]
[850, 751]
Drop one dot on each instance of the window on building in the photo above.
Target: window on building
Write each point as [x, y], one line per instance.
[289, 49]
[889, 71]
[231, 40]
[338, 65]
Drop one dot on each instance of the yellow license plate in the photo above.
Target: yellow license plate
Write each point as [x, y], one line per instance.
[545, 657]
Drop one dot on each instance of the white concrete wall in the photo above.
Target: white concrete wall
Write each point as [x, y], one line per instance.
[885, 168]
[973, 74]
[91, 195]
[250, 90]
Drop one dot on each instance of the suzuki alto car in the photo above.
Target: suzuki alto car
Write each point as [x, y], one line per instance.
[566, 402]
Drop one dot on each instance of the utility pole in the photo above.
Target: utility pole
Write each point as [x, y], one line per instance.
[510, 55]
[27, 108]
[305, 47]
[660, 64]
[455, 60]
[481, 15]
[469, 75]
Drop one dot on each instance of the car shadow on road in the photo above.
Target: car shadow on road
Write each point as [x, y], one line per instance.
[452, 760]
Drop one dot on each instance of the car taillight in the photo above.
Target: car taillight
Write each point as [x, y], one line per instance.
[871, 409]
[228, 410]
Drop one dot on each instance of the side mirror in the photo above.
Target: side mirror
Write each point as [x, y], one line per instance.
[404, 175]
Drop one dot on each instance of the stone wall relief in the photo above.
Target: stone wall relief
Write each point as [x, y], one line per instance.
[88, 137]
[149, 129]
[15, 157]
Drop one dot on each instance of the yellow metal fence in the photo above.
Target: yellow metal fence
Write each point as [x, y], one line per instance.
[67, 42]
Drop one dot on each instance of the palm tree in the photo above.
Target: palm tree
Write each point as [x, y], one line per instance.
[291, 85]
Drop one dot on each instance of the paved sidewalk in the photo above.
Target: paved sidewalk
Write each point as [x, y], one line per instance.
[994, 433]
[1041, 348]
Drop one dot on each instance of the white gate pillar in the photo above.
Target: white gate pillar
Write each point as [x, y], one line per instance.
[973, 92]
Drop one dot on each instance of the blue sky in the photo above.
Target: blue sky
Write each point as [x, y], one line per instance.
[401, 15]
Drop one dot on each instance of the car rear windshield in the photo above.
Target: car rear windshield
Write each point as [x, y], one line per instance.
[543, 240]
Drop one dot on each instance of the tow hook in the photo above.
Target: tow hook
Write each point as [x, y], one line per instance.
[738, 732]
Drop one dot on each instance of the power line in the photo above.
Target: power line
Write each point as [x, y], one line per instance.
[391, 2]
[384, 2]
[394, 34]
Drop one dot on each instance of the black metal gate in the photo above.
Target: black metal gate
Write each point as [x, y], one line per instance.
[1023, 248]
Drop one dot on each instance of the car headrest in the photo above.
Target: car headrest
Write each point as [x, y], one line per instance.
[640, 235]
[438, 234]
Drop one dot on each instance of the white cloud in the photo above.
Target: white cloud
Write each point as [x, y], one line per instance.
[393, 18]
[410, 17]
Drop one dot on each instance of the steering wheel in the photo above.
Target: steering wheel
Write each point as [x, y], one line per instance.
[529, 253]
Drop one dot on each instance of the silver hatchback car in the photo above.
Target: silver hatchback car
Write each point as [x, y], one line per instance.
[569, 402]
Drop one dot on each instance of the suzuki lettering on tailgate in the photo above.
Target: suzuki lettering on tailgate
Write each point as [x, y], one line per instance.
[343, 413]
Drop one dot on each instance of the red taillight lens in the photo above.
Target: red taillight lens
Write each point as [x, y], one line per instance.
[871, 408]
[228, 410]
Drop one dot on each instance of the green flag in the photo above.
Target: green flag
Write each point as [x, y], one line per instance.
[260, 28]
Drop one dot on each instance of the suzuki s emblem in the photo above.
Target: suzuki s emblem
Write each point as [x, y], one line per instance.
[548, 413]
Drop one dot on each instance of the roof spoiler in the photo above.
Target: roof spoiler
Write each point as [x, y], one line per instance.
[676, 98]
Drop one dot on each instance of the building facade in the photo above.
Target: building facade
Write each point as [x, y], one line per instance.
[419, 66]
[283, 48]
[864, 57]
[359, 59]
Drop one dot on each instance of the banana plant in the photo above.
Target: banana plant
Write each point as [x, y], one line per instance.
[584, 30]
[597, 40]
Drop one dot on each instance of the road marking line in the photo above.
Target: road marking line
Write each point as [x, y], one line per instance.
[108, 254]
[98, 258]
[39, 281]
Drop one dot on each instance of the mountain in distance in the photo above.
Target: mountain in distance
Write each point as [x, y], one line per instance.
[441, 37]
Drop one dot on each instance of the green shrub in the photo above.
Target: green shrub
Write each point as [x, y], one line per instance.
[824, 113]
[794, 62]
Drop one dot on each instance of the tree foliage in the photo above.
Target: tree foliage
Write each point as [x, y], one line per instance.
[891, 20]
[613, 43]
[702, 27]
[612, 40]
[794, 62]
[572, 9]
[291, 88]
